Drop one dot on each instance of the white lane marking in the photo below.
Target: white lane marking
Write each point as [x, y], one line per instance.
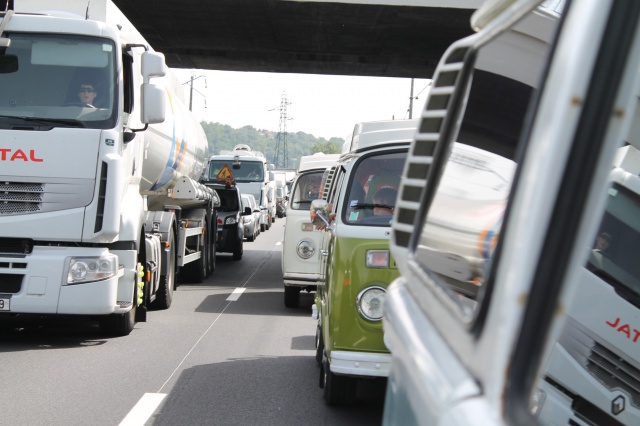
[236, 294]
[139, 414]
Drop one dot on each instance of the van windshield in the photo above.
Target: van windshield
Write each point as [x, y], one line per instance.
[243, 171]
[307, 189]
[373, 189]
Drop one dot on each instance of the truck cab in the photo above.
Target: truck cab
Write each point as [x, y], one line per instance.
[355, 263]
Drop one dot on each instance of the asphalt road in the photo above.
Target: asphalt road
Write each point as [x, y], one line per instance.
[227, 352]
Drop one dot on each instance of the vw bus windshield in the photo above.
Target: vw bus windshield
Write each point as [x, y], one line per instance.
[58, 81]
[373, 189]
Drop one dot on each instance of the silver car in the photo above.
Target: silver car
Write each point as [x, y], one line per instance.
[251, 222]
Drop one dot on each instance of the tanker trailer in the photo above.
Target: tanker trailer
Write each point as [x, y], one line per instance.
[100, 206]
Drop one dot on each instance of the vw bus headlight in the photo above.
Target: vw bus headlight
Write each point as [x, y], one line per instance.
[370, 303]
[305, 249]
[87, 269]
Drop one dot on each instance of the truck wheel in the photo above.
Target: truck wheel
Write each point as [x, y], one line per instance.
[237, 255]
[212, 255]
[291, 296]
[118, 325]
[164, 295]
[319, 345]
[196, 271]
[338, 390]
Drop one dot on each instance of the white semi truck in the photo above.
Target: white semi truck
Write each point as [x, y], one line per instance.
[100, 206]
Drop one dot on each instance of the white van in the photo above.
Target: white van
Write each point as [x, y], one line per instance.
[300, 254]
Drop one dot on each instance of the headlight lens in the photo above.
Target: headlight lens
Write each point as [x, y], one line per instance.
[370, 303]
[537, 401]
[305, 249]
[231, 220]
[87, 269]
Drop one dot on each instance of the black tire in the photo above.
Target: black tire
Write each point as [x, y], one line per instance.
[338, 390]
[319, 345]
[164, 296]
[237, 255]
[291, 296]
[196, 271]
[212, 254]
[263, 227]
[118, 325]
[251, 237]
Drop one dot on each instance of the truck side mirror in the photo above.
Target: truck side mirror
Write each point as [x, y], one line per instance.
[153, 97]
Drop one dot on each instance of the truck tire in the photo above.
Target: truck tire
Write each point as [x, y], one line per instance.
[212, 254]
[338, 390]
[291, 296]
[118, 325]
[196, 271]
[164, 295]
[237, 255]
[319, 345]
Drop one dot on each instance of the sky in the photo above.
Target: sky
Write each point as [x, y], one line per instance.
[322, 105]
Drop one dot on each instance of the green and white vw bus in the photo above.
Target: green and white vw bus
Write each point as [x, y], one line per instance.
[356, 266]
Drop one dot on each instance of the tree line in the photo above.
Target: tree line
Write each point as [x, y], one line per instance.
[224, 137]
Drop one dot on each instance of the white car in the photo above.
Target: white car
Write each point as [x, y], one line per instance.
[252, 221]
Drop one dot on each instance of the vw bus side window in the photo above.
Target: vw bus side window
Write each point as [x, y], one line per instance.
[373, 189]
[461, 226]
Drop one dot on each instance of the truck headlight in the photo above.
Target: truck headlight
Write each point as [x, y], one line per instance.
[305, 249]
[231, 220]
[537, 401]
[87, 269]
[370, 303]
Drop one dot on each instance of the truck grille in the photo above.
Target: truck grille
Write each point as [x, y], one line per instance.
[10, 283]
[614, 372]
[16, 197]
[611, 370]
[15, 246]
[38, 197]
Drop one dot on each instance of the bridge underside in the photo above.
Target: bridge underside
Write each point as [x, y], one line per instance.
[299, 37]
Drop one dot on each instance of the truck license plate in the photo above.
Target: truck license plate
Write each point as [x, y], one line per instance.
[4, 304]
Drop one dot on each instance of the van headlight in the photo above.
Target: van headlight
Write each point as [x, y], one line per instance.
[370, 303]
[305, 249]
[88, 269]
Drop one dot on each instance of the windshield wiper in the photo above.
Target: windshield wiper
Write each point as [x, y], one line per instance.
[69, 122]
[361, 206]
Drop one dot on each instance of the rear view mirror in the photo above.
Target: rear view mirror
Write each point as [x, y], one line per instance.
[319, 212]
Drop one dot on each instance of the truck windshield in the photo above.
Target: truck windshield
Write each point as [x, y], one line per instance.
[57, 81]
[243, 171]
[615, 255]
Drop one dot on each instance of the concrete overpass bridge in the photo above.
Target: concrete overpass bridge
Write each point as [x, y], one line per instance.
[383, 38]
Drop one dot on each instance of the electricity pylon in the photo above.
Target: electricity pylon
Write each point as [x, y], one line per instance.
[281, 156]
